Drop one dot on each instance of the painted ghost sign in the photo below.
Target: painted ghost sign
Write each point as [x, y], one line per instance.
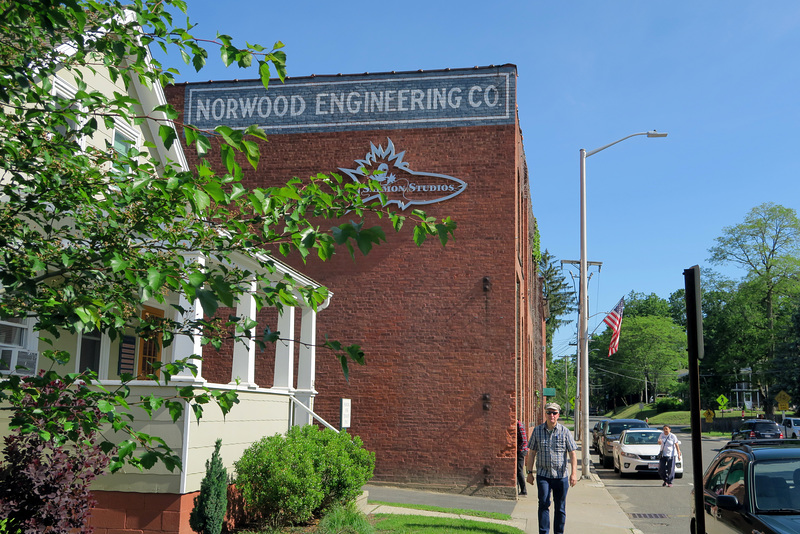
[455, 97]
[400, 184]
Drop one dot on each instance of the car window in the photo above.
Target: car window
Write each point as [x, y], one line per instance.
[734, 484]
[716, 480]
[766, 427]
[616, 428]
[773, 484]
[641, 438]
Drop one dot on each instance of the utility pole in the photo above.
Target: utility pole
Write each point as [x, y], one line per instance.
[582, 407]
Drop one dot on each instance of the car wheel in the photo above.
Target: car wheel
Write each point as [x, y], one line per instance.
[678, 475]
[692, 527]
[616, 466]
[607, 462]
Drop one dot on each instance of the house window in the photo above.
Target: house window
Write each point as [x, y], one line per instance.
[63, 90]
[89, 350]
[15, 337]
[149, 349]
[125, 139]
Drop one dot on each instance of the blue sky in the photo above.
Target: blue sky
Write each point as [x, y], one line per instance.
[722, 78]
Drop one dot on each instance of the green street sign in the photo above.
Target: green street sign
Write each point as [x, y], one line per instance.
[722, 400]
[549, 392]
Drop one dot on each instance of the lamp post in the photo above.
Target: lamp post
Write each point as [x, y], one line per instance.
[583, 328]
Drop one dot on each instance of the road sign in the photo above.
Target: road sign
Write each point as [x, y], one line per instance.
[783, 406]
[783, 398]
[572, 401]
[723, 401]
[709, 414]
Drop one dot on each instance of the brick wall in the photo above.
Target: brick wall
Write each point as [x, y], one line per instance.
[448, 355]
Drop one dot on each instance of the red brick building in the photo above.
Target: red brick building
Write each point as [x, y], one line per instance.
[453, 336]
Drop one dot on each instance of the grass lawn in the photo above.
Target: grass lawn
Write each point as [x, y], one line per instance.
[458, 511]
[407, 524]
[680, 418]
[349, 520]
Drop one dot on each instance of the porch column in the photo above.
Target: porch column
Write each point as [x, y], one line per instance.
[185, 345]
[284, 350]
[244, 349]
[306, 365]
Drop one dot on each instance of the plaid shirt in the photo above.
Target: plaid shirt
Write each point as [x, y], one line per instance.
[522, 438]
[552, 449]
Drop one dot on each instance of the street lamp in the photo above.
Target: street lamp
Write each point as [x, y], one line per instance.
[583, 328]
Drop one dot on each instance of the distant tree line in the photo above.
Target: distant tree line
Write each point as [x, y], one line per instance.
[751, 325]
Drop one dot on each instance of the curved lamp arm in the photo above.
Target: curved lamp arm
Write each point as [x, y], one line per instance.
[651, 133]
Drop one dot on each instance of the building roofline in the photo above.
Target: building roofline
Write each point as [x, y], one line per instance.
[359, 74]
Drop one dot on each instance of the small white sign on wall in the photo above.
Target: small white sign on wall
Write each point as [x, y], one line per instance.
[344, 416]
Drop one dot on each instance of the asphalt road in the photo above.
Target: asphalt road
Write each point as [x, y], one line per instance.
[654, 509]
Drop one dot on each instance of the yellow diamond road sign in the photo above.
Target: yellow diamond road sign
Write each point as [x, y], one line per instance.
[722, 400]
[783, 397]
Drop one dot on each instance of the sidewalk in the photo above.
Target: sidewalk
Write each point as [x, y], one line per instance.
[590, 508]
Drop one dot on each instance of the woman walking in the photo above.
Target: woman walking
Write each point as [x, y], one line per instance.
[670, 451]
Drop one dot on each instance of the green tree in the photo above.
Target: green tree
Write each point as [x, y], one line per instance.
[787, 358]
[562, 376]
[639, 305]
[652, 349]
[767, 246]
[88, 234]
[560, 297]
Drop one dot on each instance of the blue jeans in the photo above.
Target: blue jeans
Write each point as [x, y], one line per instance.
[558, 487]
[666, 468]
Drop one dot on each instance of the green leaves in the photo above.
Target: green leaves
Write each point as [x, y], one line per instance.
[344, 354]
[364, 238]
[107, 230]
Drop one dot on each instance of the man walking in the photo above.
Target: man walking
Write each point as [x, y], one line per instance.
[550, 445]
[522, 452]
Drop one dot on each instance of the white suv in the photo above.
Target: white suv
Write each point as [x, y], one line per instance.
[791, 427]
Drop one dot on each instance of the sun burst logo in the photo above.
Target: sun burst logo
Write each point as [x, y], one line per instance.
[400, 184]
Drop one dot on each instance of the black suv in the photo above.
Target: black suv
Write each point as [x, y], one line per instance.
[752, 486]
[757, 429]
[610, 433]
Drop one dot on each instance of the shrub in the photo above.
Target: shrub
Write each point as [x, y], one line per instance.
[669, 404]
[341, 461]
[45, 488]
[290, 479]
[277, 480]
[208, 513]
[44, 484]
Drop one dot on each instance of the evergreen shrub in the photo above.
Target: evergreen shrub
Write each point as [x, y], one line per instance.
[208, 513]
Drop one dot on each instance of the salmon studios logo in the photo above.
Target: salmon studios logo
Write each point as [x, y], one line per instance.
[401, 185]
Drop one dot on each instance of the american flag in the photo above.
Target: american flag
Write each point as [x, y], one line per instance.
[614, 321]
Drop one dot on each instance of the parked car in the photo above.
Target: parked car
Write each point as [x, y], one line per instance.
[636, 451]
[757, 429]
[752, 486]
[791, 427]
[596, 431]
[610, 433]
